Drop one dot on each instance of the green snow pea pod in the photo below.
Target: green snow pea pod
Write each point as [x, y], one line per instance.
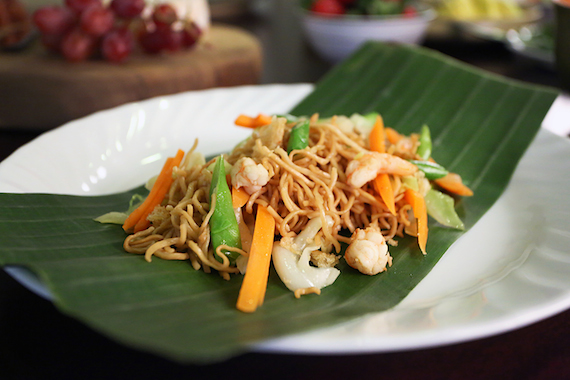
[223, 224]
[290, 118]
[424, 150]
[441, 207]
[370, 118]
[430, 169]
[299, 137]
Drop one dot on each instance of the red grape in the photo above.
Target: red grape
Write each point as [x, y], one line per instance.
[77, 46]
[190, 35]
[152, 42]
[128, 8]
[79, 6]
[162, 38]
[328, 7]
[84, 27]
[97, 20]
[117, 45]
[164, 14]
[51, 42]
[53, 20]
[172, 38]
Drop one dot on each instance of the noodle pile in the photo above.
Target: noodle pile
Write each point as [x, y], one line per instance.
[303, 185]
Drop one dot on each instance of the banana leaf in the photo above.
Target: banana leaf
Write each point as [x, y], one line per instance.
[481, 125]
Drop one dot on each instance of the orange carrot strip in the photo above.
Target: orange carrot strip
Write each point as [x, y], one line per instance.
[262, 120]
[239, 197]
[143, 223]
[244, 121]
[383, 186]
[382, 182]
[163, 186]
[392, 135]
[252, 291]
[135, 216]
[155, 196]
[452, 182]
[252, 122]
[376, 138]
[420, 213]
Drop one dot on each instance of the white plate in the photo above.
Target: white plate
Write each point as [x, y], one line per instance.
[511, 269]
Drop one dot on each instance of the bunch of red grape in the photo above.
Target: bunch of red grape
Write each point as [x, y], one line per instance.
[82, 29]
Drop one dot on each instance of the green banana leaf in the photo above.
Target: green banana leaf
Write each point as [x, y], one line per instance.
[481, 125]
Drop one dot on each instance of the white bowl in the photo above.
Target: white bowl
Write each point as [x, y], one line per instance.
[336, 37]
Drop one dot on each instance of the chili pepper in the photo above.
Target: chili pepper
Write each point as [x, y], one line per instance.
[299, 137]
[224, 228]
[424, 150]
[440, 206]
[430, 169]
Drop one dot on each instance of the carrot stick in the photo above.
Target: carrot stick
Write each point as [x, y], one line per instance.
[244, 121]
[137, 218]
[252, 122]
[452, 182]
[392, 135]
[262, 120]
[252, 291]
[239, 197]
[382, 182]
[376, 137]
[420, 213]
[383, 186]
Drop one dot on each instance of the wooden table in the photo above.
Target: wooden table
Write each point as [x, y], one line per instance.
[41, 90]
[39, 342]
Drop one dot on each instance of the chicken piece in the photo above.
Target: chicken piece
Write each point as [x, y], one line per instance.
[368, 251]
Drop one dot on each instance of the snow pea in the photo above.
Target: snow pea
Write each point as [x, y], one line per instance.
[430, 169]
[441, 207]
[223, 224]
[290, 118]
[299, 137]
[424, 150]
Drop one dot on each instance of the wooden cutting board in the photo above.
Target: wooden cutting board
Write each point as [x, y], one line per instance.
[39, 90]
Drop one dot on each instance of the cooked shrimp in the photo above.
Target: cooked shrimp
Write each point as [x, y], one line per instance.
[369, 165]
[248, 174]
[368, 251]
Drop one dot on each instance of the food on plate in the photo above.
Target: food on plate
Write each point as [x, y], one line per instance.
[361, 7]
[300, 191]
[82, 29]
[469, 10]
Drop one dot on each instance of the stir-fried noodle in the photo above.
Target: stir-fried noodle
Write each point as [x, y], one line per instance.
[304, 184]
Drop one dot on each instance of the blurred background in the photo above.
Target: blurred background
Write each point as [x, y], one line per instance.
[474, 30]
[257, 42]
[268, 41]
